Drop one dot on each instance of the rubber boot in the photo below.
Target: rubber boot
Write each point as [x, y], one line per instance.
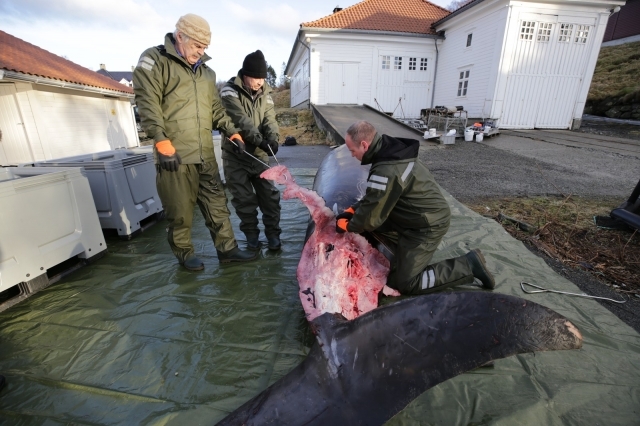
[236, 255]
[274, 243]
[253, 243]
[193, 264]
[479, 268]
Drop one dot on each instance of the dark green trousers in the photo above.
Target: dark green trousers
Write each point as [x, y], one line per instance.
[412, 271]
[180, 191]
[250, 192]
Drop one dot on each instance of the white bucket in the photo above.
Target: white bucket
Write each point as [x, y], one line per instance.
[479, 137]
[432, 132]
[468, 135]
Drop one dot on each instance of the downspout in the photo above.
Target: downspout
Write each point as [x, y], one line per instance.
[309, 76]
[435, 73]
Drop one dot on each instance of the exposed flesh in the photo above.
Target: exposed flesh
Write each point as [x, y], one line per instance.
[337, 273]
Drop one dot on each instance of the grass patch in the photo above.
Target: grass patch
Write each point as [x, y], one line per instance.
[564, 229]
[281, 98]
[616, 73]
[300, 124]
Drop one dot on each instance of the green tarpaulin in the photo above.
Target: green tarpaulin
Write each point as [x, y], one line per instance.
[134, 339]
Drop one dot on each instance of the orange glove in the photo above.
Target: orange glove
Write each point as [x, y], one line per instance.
[165, 148]
[236, 136]
[341, 225]
[239, 146]
[168, 158]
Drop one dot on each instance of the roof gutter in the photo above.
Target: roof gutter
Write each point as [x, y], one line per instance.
[6, 74]
[368, 32]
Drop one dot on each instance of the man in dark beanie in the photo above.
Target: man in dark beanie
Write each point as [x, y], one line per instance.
[248, 102]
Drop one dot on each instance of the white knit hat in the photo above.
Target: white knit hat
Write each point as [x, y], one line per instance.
[195, 27]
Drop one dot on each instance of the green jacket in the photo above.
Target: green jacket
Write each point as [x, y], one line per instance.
[180, 104]
[255, 118]
[399, 189]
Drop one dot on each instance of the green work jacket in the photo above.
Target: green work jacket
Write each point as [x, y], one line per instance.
[179, 103]
[256, 118]
[400, 189]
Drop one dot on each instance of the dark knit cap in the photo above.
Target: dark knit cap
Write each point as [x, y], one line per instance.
[254, 65]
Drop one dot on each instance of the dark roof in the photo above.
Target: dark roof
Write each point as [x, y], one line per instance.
[404, 16]
[19, 56]
[117, 75]
[458, 11]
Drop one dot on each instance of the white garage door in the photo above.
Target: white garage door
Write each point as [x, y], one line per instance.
[404, 84]
[342, 83]
[14, 147]
[547, 68]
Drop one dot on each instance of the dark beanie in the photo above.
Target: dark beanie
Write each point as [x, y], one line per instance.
[254, 65]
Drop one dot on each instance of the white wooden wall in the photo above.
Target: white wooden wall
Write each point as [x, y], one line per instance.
[346, 69]
[486, 24]
[61, 123]
[299, 78]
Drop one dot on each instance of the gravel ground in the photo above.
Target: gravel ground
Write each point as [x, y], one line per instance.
[610, 127]
[501, 167]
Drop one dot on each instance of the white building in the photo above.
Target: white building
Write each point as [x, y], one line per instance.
[524, 63]
[52, 108]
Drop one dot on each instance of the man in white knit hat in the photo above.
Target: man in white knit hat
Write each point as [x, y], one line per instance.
[179, 107]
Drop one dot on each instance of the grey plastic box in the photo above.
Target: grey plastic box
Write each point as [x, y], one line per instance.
[48, 216]
[123, 184]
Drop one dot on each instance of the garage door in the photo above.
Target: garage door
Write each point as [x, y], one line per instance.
[547, 68]
[14, 147]
[404, 84]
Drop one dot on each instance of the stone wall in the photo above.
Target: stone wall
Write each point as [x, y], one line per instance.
[625, 107]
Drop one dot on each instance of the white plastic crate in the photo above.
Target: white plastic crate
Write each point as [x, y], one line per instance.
[48, 217]
[123, 183]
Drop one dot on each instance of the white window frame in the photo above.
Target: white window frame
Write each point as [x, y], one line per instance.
[412, 63]
[463, 83]
[469, 40]
[566, 31]
[581, 34]
[386, 62]
[527, 30]
[424, 62]
[544, 32]
[397, 63]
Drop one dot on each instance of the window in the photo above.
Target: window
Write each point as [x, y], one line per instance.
[565, 33]
[463, 82]
[526, 31]
[469, 37]
[386, 62]
[544, 31]
[412, 64]
[423, 64]
[582, 32]
[397, 63]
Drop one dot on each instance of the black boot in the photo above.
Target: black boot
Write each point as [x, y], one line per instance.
[479, 268]
[253, 243]
[274, 243]
[236, 255]
[193, 264]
